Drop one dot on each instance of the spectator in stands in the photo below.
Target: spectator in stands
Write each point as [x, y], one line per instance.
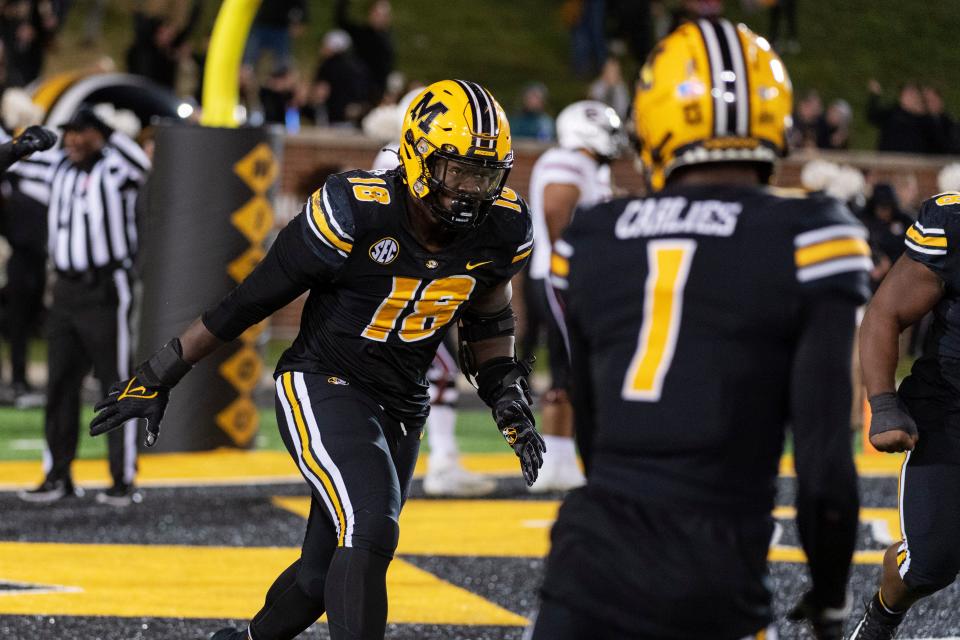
[588, 40]
[372, 41]
[632, 22]
[158, 46]
[833, 128]
[784, 11]
[694, 10]
[532, 121]
[806, 121]
[27, 28]
[346, 77]
[886, 224]
[945, 134]
[314, 110]
[906, 126]
[279, 94]
[610, 88]
[274, 27]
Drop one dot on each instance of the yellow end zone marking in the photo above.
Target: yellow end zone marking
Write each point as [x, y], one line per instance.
[466, 527]
[230, 466]
[204, 582]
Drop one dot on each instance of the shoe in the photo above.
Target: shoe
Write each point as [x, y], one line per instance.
[230, 633]
[25, 397]
[120, 495]
[51, 491]
[555, 475]
[452, 480]
[876, 624]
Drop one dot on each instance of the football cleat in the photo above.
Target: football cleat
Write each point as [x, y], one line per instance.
[558, 475]
[452, 480]
[120, 495]
[876, 624]
[51, 491]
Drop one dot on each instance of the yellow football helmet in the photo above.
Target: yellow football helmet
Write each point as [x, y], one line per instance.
[711, 92]
[455, 145]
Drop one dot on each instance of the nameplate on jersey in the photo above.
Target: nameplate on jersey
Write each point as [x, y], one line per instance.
[673, 215]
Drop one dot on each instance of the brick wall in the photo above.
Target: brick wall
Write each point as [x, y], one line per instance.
[309, 156]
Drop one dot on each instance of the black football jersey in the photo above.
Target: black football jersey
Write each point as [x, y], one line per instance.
[381, 304]
[683, 313]
[932, 390]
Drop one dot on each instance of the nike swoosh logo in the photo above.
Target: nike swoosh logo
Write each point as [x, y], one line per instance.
[473, 265]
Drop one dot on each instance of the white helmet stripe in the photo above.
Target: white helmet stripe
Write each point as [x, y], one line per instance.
[741, 90]
[716, 71]
[478, 124]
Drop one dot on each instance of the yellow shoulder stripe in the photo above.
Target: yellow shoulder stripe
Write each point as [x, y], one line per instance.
[520, 256]
[320, 218]
[829, 250]
[559, 265]
[926, 241]
[506, 203]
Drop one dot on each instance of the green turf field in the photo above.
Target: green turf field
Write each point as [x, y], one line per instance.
[21, 434]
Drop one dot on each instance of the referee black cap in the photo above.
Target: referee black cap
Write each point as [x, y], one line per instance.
[85, 118]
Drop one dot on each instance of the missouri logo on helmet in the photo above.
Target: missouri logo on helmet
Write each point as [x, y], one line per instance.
[711, 92]
[455, 151]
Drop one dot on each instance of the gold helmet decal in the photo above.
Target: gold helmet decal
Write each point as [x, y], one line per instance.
[711, 92]
[456, 127]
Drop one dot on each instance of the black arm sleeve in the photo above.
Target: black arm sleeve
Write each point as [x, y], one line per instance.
[821, 398]
[7, 158]
[289, 268]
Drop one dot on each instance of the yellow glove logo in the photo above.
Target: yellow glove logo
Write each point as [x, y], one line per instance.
[139, 392]
[510, 433]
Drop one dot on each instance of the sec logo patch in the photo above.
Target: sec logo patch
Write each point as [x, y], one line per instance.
[384, 251]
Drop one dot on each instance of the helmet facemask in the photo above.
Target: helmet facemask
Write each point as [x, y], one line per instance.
[471, 183]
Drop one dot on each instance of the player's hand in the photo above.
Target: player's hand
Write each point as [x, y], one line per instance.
[514, 418]
[826, 622]
[892, 428]
[33, 139]
[130, 399]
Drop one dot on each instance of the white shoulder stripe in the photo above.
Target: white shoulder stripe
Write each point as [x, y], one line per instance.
[563, 248]
[929, 230]
[524, 246]
[332, 218]
[926, 250]
[833, 267]
[829, 233]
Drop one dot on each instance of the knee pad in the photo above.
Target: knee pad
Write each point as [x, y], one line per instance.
[377, 533]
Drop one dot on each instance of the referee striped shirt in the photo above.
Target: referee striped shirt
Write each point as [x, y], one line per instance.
[91, 212]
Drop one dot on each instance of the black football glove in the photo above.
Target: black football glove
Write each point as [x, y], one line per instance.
[502, 384]
[826, 622]
[892, 428]
[34, 138]
[131, 399]
[513, 416]
[145, 395]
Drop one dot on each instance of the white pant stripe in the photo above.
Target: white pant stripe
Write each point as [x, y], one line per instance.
[125, 300]
[904, 547]
[316, 444]
[304, 469]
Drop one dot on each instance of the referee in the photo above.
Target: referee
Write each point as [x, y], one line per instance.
[92, 182]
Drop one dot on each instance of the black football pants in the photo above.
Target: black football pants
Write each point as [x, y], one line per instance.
[88, 326]
[358, 462]
[23, 301]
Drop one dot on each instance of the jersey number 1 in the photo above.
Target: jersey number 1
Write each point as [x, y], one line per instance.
[668, 263]
[434, 308]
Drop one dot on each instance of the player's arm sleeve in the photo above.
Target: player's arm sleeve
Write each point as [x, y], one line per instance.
[928, 239]
[300, 258]
[821, 397]
[523, 245]
[831, 254]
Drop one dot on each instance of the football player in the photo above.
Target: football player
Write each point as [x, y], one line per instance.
[446, 476]
[576, 173]
[920, 417]
[391, 260]
[702, 320]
